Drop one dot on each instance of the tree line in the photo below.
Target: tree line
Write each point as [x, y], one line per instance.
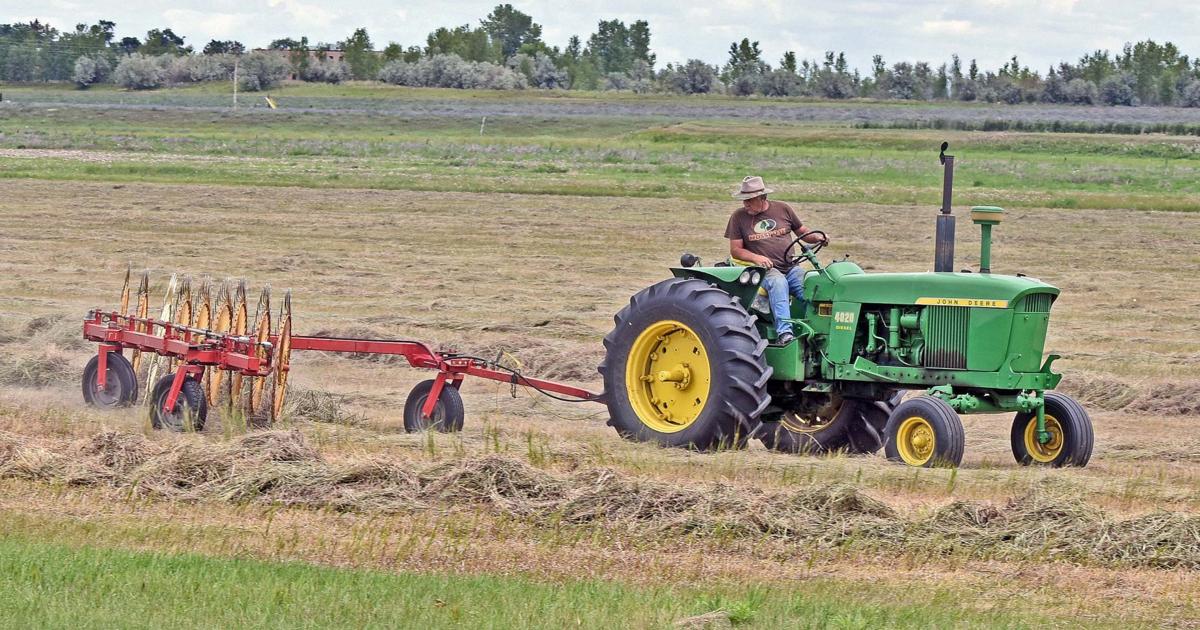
[505, 50]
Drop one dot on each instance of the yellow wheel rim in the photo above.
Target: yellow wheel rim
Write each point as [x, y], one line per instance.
[915, 441]
[1044, 453]
[668, 376]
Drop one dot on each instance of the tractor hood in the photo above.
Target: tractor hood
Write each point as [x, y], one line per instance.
[933, 289]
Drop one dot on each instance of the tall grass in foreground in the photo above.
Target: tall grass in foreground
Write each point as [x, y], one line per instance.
[56, 586]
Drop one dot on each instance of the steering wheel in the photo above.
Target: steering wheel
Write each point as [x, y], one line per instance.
[808, 250]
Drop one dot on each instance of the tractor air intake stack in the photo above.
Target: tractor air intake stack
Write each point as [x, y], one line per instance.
[985, 217]
[943, 253]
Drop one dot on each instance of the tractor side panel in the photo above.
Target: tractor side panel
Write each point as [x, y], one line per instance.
[988, 339]
[842, 331]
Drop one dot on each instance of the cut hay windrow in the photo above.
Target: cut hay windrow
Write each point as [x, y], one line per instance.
[282, 468]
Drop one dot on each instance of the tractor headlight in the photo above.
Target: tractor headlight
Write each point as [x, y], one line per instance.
[755, 277]
[745, 277]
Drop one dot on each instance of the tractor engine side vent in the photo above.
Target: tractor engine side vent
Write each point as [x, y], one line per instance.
[1036, 303]
[946, 337]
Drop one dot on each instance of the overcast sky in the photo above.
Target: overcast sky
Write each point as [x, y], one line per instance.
[1040, 32]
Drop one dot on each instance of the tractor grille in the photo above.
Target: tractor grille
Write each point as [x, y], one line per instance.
[1036, 303]
[946, 337]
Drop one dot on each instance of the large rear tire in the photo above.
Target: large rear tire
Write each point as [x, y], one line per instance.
[1071, 436]
[684, 366]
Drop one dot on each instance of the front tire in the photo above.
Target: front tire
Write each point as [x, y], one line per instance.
[1071, 436]
[684, 366]
[925, 432]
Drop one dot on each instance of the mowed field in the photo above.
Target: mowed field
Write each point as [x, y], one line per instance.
[388, 216]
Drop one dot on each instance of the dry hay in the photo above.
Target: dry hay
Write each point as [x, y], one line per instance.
[281, 468]
[315, 405]
[49, 367]
[1164, 398]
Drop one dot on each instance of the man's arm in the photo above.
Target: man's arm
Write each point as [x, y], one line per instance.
[808, 237]
[738, 251]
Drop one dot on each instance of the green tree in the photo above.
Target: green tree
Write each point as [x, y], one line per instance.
[639, 41]
[511, 28]
[610, 47]
[470, 44]
[163, 42]
[360, 55]
[788, 62]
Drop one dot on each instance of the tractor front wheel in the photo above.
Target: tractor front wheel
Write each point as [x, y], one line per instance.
[120, 382]
[1070, 431]
[925, 432]
[684, 366]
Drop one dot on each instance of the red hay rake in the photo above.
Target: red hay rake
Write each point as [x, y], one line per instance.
[194, 342]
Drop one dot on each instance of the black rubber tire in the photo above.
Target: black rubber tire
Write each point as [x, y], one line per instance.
[857, 428]
[191, 407]
[121, 388]
[866, 435]
[827, 439]
[738, 367]
[948, 436]
[1077, 434]
[448, 414]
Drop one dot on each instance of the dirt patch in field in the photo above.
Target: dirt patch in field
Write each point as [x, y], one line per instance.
[282, 468]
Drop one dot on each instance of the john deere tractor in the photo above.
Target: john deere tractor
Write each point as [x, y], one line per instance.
[691, 360]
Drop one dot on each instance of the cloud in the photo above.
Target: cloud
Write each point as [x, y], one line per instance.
[947, 27]
[312, 15]
[199, 25]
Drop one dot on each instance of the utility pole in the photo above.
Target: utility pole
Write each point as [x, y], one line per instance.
[235, 81]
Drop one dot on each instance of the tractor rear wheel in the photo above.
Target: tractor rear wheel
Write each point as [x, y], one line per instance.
[684, 366]
[926, 432]
[448, 411]
[190, 410]
[851, 424]
[1070, 429]
[120, 382]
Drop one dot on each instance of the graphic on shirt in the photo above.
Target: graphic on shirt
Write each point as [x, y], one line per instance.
[766, 225]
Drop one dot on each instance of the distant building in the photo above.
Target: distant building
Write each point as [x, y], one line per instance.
[314, 54]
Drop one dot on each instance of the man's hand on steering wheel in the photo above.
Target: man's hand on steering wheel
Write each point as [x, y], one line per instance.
[805, 248]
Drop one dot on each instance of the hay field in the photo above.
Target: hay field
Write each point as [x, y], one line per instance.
[536, 492]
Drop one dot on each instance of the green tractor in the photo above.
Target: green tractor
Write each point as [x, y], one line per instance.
[691, 360]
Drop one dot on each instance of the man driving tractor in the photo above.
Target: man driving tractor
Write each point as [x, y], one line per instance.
[760, 233]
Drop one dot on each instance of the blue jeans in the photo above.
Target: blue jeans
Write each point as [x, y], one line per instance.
[779, 288]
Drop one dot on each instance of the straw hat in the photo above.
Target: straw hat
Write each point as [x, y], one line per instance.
[752, 186]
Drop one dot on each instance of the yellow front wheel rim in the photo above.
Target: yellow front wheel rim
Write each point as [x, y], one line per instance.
[1048, 452]
[668, 376]
[916, 441]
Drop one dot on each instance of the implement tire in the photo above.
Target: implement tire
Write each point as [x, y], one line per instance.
[191, 406]
[1071, 435]
[925, 432]
[448, 412]
[121, 385]
[685, 367]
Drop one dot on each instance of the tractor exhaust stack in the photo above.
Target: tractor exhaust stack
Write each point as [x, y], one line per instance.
[943, 253]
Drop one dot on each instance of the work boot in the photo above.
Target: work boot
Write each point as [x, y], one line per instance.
[784, 339]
